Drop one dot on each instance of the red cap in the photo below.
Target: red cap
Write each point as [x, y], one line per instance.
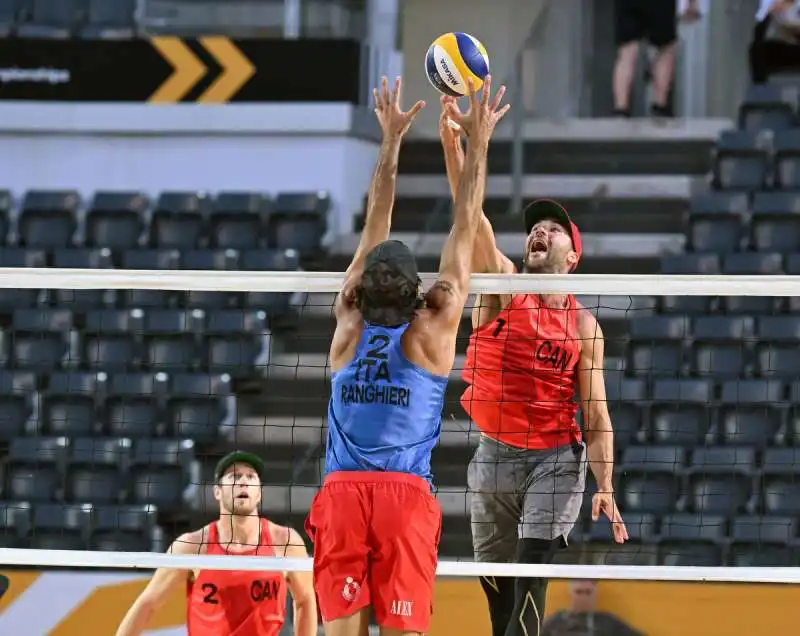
[549, 209]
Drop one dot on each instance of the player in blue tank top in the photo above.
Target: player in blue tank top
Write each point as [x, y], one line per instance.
[374, 523]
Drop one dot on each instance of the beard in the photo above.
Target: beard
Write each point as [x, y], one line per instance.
[551, 264]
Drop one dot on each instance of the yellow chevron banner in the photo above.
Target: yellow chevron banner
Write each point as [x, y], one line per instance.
[68, 603]
[189, 70]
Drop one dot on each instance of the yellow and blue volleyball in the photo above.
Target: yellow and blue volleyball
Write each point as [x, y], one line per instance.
[452, 60]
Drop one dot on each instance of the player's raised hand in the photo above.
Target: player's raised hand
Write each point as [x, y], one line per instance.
[604, 502]
[394, 121]
[449, 130]
[483, 114]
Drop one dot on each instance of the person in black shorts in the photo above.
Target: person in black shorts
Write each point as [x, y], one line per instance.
[656, 22]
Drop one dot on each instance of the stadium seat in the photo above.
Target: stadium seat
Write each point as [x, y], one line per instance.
[778, 329]
[50, 19]
[95, 469]
[9, 11]
[48, 219]
[123, 528]
[720, 480]
[649, 478]
[151, 259]
[740, 162]
[690, 264]
[221, 259]
[237, 341]
[179, 220]
[17, 402]
[69, 405]
[237, 221]
[780, 481]
[786, 148]
[60, 526]
[686, 528]
[775, 225]
[35, 467]
[690, 554]
[751, 412]
[299, 221]
[763, 541]
[161, 471]
[200, 406]
[171, 340]
[110, 19]
[82, 299]
[722, 346]
[680, 411]
[276, 304]
[41, 339]
[115, 220]
[716, 222]
[753, 263]
[767, 107]
[778, 361]
[108, 342]
[640, 527]
[15, 522]
[6, 200]
[134, 404]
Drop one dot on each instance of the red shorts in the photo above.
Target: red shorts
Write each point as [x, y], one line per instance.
[376, 539]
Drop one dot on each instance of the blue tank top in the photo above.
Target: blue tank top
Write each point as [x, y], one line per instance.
[385, 413]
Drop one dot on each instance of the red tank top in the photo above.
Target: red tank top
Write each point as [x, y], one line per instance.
[233, 603]
[521, 371]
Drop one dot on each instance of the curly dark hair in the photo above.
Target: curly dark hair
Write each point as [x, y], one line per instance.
[387, 298]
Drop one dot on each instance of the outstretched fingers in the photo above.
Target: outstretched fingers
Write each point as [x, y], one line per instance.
[397, 91]
[412, 112]
[487, 89]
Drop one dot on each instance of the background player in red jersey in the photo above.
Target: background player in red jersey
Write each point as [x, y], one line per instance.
[233, 603]
[374, 523]
[526, 355]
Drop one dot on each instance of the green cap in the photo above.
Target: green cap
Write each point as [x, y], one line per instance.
[240, 457]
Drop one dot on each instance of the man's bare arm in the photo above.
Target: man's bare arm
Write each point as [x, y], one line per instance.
[486, 258]
[380, 201]
[301, 587]
[592, 389]
[158, 589]
[597, 422]
[450, 293]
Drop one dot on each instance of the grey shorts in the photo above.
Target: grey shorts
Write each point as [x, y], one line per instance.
[519, 493]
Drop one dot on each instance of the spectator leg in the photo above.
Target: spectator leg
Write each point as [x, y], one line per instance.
[624, 71]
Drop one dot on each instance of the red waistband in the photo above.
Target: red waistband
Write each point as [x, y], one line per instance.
[377, 477]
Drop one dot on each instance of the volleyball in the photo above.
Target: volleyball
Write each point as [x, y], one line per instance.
[452, 60]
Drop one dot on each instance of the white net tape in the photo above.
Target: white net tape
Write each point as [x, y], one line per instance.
[594, 284]
[226, 281]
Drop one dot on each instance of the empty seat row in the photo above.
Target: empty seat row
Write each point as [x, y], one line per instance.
[62, 18]
[145, 258]
[148, 471]
[138, 405]
[746, 161]
[120, 221]
[652, 528]
[705, 329]
[693, 554]
[769, 107]
[718, 361]
[78, 526]
[696, 424]
[702, 391]
[720, 223]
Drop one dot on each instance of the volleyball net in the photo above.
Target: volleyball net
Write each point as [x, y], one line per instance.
[120, 389]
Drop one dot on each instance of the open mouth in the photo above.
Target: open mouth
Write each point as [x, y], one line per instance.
[538, 246]
[242, 495]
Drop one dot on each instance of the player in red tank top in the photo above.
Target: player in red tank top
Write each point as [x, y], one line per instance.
[234, 603]
[529, 357]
